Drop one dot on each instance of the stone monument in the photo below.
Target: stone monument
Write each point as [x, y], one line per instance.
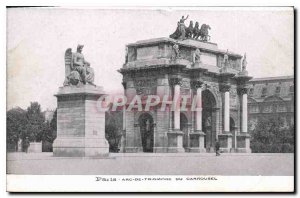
[189, 68]
[80, 124]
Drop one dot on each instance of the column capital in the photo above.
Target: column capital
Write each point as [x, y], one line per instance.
[242, 90]
[224, 87]
[195, 84]
[175, 81]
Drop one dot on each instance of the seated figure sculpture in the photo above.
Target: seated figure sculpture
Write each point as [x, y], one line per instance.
[77, 69]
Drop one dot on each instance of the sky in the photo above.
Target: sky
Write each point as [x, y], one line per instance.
[37, 39]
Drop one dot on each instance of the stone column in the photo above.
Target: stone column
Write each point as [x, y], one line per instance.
[199, 106]
[123, 138]
[226, 111]
[177, 108]
[225, 139]
[175, 144]
[245, 113]
[197, 137]
[243, 139]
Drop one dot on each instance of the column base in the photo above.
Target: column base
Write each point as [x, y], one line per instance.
[243, 150]
[175, 144]
[176, 150]
[243, 143]
[225, 150]
[197, 150]
[197, 142]
[133, 149]
[160, 149]
[225, 141]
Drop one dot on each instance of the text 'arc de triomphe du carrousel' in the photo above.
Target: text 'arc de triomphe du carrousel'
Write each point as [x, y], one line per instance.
[186, 64]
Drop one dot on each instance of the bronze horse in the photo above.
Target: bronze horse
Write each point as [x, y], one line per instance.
[193, 32]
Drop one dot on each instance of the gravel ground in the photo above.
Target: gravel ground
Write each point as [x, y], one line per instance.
[154, 164]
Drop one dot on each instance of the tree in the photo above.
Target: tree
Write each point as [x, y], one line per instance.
[15, 125]
[53, 126]
[113, 129]
[35, 125]
[270, 136]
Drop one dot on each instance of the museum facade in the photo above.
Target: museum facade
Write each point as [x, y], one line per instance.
[185, 69]
[269, 97]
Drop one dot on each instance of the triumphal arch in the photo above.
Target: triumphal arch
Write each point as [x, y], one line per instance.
[183, 67]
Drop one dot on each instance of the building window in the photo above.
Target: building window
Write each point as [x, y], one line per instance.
[264, 92]
[292, 89]
[254, 109]
[267, 109]
[281, 108]
[277, 91]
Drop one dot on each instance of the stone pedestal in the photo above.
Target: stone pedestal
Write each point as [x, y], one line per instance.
[80, 123]
[225, 141]
[197, 142]
[35, 147]
[175, 142]
[243, 143]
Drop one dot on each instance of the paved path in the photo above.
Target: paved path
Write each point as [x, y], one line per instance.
[154, 164]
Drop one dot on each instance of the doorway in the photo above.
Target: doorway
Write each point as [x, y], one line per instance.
[147, 132]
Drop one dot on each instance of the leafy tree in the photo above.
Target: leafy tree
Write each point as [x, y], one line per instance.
[35, 125]
[113, 129]
[15, 125]
[53, 126]
[270, 136]
[49, 133]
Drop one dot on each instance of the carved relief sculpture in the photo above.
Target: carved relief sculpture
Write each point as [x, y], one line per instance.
[197, 56]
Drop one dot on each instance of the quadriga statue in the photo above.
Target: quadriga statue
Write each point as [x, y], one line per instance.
[77, 70]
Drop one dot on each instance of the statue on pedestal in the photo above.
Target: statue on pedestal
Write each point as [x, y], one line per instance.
[197, 56]
[77, 69]
[226, 61]
[176, 51]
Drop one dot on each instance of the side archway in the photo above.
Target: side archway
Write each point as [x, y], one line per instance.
[146, 124]
[184, 129]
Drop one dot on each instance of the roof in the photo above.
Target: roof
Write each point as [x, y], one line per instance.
[208, 46]
[272, 78]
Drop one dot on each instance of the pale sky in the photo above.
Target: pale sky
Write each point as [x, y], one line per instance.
[38, 37]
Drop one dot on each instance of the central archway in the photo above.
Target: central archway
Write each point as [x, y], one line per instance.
[147, 131]
[209, 119]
